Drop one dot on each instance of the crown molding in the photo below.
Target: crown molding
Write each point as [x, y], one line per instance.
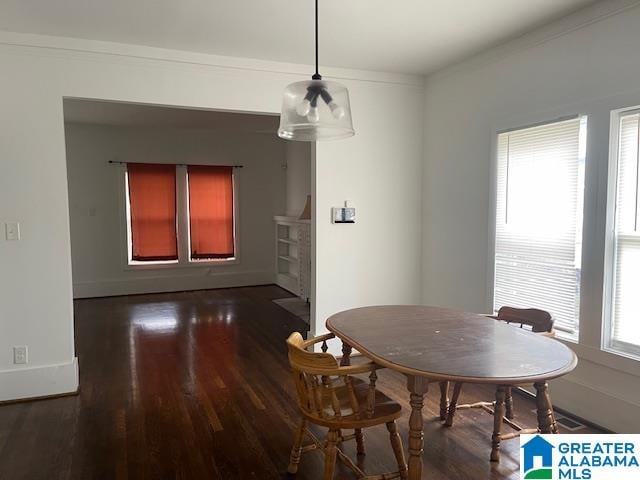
[594, 13]
[70, 45]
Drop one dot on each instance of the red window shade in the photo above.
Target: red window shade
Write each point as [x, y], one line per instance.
[152, 202]
[211, 211]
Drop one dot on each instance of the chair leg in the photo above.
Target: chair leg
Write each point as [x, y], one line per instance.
[359, 441]
[444, 399]
[396, 444]
[498, 415]
[508, 403]
[296, 451]
[457, 387]
[330, 455]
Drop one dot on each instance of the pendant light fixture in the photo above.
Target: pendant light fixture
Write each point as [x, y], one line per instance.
[315, 109]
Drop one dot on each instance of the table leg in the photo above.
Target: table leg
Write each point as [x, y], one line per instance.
[546, 419]
[444, 400]
[498, 415]
[345, 361]
[508, 402]
[417, 387]
[457, 387]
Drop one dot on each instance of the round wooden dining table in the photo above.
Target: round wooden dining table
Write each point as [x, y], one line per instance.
[432, 344]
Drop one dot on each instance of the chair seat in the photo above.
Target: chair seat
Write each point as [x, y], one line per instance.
[386, 410]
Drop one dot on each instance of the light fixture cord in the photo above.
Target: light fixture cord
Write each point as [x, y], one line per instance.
[317, 73]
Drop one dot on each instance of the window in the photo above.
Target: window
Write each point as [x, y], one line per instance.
[540, 190]
[210, 212]
[623, 329]
[179, 214]
[152, 210]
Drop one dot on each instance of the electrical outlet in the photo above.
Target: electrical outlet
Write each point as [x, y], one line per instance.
[12, 231]
[20, 355]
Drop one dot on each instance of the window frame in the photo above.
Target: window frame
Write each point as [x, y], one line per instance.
[608, 343]
[182, 230]
[572, 338]
[599, 113]
[187, 224]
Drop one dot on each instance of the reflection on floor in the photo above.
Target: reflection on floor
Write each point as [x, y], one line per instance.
[196, 385]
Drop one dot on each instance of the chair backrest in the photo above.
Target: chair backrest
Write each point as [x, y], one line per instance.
[324, 389]
[540, 321]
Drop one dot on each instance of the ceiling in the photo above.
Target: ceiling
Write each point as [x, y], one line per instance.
[136, 115]
[409, 36]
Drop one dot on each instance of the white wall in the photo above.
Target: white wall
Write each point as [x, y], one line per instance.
[96, 207]
[379, 169]
[298, 156]
[585, 64]
[377, 260]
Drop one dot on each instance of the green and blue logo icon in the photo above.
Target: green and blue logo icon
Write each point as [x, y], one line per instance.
[538, 459]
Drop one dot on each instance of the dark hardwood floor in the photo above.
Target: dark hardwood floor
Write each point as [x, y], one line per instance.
[196, 385]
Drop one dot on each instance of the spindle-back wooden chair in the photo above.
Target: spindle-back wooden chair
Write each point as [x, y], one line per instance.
[332, 396]
[538, 321]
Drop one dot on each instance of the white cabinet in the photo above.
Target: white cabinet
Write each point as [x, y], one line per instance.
[293, 255]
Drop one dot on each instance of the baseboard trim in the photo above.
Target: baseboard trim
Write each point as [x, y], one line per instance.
[593, 406]
[39, 382]
[530, 395]
[267, 284]
[168, 284]
[38, 399]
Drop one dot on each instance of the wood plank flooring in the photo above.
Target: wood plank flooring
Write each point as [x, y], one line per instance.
[196, 385]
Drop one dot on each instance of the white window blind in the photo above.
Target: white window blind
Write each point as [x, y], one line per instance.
[625, 308]
[540, 188]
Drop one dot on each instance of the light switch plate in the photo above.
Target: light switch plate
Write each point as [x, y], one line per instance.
[12, 230]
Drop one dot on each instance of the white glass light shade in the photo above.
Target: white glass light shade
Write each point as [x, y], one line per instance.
[315, 110]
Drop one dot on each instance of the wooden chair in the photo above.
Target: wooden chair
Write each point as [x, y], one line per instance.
[538, 321]
[331, 396]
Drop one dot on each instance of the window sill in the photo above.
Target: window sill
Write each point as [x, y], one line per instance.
[572, 338]
[624, 350]
[179, 264]
[607, 358]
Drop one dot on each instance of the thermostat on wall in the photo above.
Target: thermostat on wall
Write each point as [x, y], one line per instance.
[344, 214]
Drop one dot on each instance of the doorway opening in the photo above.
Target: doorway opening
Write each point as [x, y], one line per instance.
[149, 212]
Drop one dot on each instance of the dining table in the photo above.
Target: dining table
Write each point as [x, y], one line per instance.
[433, 344]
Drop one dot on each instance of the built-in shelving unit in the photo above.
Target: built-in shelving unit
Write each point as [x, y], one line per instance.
[293, 261]
[288, 241]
